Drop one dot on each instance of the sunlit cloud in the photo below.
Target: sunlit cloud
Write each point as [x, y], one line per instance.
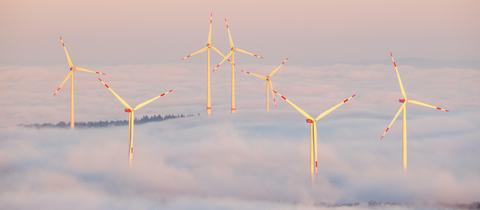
[251, 159]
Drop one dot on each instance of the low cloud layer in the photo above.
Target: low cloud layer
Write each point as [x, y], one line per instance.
[249, 160]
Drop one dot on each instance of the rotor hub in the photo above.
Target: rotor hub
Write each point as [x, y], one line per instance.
[309, 121]
[127, 110]
[402, 100]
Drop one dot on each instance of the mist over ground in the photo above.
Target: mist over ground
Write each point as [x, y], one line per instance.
[248, 160]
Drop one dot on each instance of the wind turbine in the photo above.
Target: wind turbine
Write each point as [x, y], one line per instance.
[71, 76]
[231, 58]
[313, 129]
[207, 48]
[131, 115]
[268, 83]
[403, 108]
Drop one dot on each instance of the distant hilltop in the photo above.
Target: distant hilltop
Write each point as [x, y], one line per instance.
[109, 123]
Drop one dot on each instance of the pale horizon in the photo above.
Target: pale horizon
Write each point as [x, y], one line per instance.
[309, 32]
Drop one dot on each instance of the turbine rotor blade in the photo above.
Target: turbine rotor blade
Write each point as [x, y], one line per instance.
[325, 113]
[230, 39]
[275, 70]
[210, 29]
[254, 74]
[139, 106]
[57, 90]
[194, 53]
[67, 55]
[305, 114]
[273, 94]
[248, 53]
[223, 60]
[395, 67]
[427, 105]
[115, 94]
[90, 71]
[393, 121]
[218, 51]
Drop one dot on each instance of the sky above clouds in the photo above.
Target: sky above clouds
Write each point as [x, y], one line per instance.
[312, 32]
[252, 159]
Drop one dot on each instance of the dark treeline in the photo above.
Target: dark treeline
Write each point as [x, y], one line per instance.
[107, 123]
[388, 205]
[469, 206]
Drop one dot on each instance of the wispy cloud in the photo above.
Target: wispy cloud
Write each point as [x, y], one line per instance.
[250, 160]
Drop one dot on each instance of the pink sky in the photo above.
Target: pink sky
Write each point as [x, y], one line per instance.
[311, 32]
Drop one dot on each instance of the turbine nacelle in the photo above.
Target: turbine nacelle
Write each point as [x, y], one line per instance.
[313, 128]
[403, 110]
[131, 114]
[70, 76]
[207, 48]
